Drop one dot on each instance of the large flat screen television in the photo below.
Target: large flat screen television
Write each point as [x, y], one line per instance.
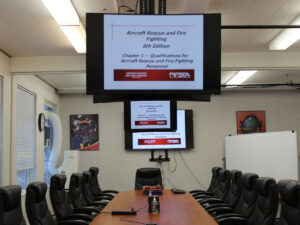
[182, 138]
[155, 115]
[153, 54]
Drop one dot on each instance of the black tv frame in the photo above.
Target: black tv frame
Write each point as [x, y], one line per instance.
[173, 117]
[189, 135]
[95, 60]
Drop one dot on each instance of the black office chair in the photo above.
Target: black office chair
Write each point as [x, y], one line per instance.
[222, 189]
[60, 202]
[37, 208]
[246, 203]
[10, 206]
[148, 177]
[265, 209]
[213, 183]
[87, 193]
[95, 187]
[76, 194]
[289, 191]
[232, 196]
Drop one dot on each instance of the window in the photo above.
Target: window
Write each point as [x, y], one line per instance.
[48, 139]
[1, 144]
[26, 137]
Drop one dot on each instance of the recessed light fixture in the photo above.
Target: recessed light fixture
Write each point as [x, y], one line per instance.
[287, 37]
[77, 37]
[240, 77]
[65, 15]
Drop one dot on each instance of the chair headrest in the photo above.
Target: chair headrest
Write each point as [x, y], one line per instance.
[40, 189]
[76, 179]
[215, 171]
[235, 175]
[94, 171]
[148, 172]
[86, 176]
[263, 183]
[249, 180]
[224, 174]
[11, 196]
[289, 191]
[60, 180]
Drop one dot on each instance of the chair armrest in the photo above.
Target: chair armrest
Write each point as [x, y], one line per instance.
[80, 216]
[215, 205]
[232, 214]
[220, 210]
[202, 197]
[209, 194]
[110, 191]
[210, 201]
[196, 191]
[232, 220]
[87, 210]
[108, 195]
[73, 222]
[98, 204]
[103, 198]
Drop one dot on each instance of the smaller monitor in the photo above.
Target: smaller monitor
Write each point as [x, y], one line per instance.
[156, 115]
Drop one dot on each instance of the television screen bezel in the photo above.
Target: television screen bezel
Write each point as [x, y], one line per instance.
[173, 117]
[95, 59]
[189, 135]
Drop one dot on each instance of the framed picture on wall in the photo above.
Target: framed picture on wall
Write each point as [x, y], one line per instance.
[84, 132]
[250, 122]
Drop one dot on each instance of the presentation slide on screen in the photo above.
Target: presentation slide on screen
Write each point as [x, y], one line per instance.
[147, 52]
[162, 140]
[150, 114]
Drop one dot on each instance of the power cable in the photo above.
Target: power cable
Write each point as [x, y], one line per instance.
[175, 160]
[191, 172]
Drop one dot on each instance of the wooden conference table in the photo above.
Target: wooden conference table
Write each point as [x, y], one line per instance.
[175, 209]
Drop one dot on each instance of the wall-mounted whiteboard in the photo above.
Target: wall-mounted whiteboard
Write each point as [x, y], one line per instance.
[271, 154]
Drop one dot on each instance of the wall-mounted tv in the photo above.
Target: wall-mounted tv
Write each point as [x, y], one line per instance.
[153, 55]
[182, 138]
[155, 115]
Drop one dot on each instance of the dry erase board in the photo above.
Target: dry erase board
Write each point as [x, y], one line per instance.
[271, 154]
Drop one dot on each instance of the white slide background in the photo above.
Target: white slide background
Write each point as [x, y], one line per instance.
[271, 154]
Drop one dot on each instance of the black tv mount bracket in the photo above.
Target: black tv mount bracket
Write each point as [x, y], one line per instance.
[160, 158]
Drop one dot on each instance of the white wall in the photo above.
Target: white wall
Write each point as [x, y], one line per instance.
[6, 75]
[212, 122]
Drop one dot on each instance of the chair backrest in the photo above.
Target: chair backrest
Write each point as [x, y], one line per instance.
[289, 191]
[214, 179]
[75, 191]
[266, 204]
[95, 187]
[246, 203]
[59, 197]
[235, 188]
[147, 177]
[10, 206]
[36, 205]
[223, 185]
[86, 187]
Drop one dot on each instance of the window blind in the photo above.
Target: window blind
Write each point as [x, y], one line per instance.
[26, 129]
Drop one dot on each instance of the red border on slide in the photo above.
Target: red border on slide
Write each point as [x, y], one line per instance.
[150, 122]
[154, 75]
[160, 141]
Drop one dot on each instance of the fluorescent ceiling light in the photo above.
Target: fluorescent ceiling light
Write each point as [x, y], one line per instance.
[287, 37]
[77, 37]
[62, 11]
[241, 76]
